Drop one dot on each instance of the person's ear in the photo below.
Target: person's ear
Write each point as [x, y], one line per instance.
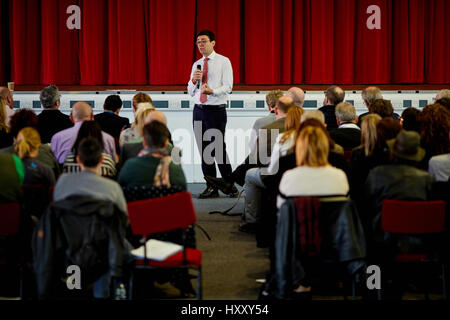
[71, 118]
[58, 103]
[78, 160]
[144, 143]
[213, 43]
[166, 143]
[92, 115]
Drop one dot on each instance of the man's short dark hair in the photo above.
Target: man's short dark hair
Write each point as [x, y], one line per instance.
[335, 95]
[207, 33]
[155, 134]
[90, 151]
[112, 103]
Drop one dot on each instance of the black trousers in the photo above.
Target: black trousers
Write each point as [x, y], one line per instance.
[206, 118]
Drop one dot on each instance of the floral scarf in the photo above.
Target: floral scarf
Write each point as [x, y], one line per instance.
[162, 177]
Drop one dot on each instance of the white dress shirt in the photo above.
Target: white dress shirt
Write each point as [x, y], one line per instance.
[220, 79]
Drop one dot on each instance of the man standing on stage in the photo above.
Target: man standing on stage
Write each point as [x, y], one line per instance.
[211, 82]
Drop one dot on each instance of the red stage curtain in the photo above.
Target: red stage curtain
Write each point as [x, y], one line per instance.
[2, 40]
[170, 40]
[138, 42]
[224, 18]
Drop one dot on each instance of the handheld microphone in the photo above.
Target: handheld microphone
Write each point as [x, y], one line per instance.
[199, 67]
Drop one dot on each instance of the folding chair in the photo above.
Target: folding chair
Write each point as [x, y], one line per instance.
[9, 226]
[420, 218]
[162, 214]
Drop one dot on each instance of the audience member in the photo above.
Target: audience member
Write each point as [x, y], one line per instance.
[140, 98]
[134, 133]
[297, 95]
[6, 138]
[89, 181]
[27, 118]
[51, 120]
[154, 165]
[434, 122]
[333, 96]
[408, 120]
[383, 108]
[12, 173]
[439, 167]
[27, 148]
[444, 93]
[369, 96]
[348, 134]
[89, 129]
[445, 102]
[6, 94]
[62, 142]
[399, 180]
[109, 120]
[271, 100]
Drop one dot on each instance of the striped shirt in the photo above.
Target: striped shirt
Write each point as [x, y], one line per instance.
[108, 166]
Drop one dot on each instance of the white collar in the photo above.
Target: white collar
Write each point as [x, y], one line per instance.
[349, 125]
[211, 56]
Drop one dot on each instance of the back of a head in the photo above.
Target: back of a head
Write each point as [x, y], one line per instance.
[293, 118]
[21, 119]
[28, 141]
[298, 95]
[143, 111]
[444, 102]
[369, 132]
[4, 92]
[156, 115]
[345, 112]
[444, 93]
[112, 103]
[155, 134]
[284, 104]
[49, 96]
[89, 129]
[387, 129]
[313, 114]
[382, 107]
[272, 98]
[335, 95]
[434, 123]
[3, 114]
[90, 152]
[312, 147]
[81, 111]
[409, 119]
[370, 94]
[141, 97]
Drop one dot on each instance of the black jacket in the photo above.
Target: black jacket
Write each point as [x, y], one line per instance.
[79, 231]
[342, 242]
[112, 123]
[330, 117]
[348, 138]
[51, 122]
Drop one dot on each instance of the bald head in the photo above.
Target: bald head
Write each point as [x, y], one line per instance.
[297, 95]
[156, 116]
[7, 95]
[81, 111]
[313, 114]
[334, 95]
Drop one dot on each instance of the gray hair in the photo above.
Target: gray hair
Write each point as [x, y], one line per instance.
[313, 114]
[371, 94]
[345, 112]
[49, 96]
[444, 93]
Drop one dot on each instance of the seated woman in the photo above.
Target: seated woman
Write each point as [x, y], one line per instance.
[313, 176]
[89, 129]
[153, 165]
[27, 146]
[134, 133]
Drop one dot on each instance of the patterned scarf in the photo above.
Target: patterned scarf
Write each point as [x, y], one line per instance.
[162, 177]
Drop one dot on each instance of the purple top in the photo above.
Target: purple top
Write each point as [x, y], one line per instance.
[62, 143]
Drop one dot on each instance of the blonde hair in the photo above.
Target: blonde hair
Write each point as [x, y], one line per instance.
[3, 114]
[312, 147]
[292, 123]
[29, 141]
[142, 112]
[141, 97]
[369, 132]
[272, 97]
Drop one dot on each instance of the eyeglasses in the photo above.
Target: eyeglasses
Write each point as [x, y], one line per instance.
[202, 42]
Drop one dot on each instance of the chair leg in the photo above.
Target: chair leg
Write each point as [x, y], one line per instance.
[199, 284]
[130, 286]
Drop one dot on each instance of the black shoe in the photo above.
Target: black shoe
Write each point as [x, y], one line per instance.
[209, 192]
[226, 187]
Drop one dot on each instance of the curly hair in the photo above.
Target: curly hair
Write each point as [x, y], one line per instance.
[382, 107]
[434, 124]
[22, 119]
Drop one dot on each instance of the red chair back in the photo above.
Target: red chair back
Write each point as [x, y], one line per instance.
[413, 217]
[9, 218]
[161, 214]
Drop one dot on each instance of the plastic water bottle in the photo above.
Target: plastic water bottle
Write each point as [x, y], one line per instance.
[121, 292]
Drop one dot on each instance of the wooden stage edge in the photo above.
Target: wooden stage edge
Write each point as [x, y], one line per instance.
[386, 87]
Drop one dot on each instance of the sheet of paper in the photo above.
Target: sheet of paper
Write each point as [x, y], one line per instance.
[157, 250]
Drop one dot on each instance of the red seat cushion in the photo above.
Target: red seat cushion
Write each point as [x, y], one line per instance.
[415, 257]
[193, 259]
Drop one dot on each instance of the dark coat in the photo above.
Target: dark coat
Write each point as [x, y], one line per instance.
[342, 242]
[112, 123]
[348, 138]
[51, 122]
[79, 231]
[330, 117]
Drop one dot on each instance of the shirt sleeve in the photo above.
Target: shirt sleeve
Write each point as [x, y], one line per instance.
[20, 168]
[192, 88]
[227, 80]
